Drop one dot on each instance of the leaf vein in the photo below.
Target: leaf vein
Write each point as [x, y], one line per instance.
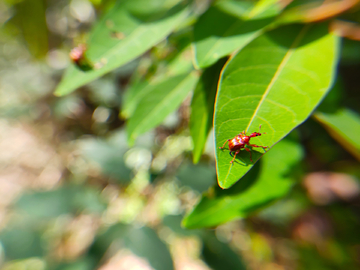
[277, 73]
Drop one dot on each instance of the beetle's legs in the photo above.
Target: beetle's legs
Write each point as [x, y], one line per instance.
[224, 144]
[263, 147]
[247, 149]
[237, 152]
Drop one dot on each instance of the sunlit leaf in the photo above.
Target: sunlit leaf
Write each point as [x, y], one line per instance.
[344, 126]
[202, 108]
[276, 81]
[270, 180]
[228, 26]
[124, 33]
[158, 102]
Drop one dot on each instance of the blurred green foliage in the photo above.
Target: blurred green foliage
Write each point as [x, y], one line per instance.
[74, 195]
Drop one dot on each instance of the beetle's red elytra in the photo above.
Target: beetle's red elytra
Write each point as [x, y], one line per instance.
[240, 141]
[78, 56]
[77, 53]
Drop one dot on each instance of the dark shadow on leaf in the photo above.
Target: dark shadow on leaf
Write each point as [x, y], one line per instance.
[104, 240]
[243, 158]
[246, 182]
[219, 255]
[216, 22]
[289, 173]
[333, 99]
[151, 17]
[287, 35]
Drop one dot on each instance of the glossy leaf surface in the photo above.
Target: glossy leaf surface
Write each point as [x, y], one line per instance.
[276, 81]
[126, 32]
[344, 126]
[228, 26]
[158, 102]
[268, 181]
[202, 108]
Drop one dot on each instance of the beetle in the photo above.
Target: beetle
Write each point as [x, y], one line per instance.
[78, 53]
[78, 56]
[240, 141]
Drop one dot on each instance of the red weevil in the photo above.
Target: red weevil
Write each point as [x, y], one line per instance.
[78, 53]
[240, 141]
[78, 56]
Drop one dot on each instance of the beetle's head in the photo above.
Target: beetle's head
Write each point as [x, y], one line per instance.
[256, 134]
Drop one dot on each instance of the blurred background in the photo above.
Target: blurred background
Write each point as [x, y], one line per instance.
[74, 196]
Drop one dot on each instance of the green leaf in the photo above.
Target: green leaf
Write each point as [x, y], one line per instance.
[179, 64]
[142, 24]
[158, 102]
[268, 181]
[198, 177]
[83, 263]
[276, 81]
[219, 255]
[133, 95]
[202, 108]
[30, 19]
[344, 126]
[104, 239]
[109, 155]
[228, 26]
[21, 242]
[143, 242]
[41, 206]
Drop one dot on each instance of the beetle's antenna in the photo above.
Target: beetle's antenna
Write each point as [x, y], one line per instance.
[260, 129]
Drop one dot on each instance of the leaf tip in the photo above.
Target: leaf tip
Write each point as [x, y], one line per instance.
[58, 93]
[196, 158]
[186, 222]
[63, 91]
[223, 185]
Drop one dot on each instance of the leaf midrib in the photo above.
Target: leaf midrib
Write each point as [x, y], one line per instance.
[275, 77]
[277, 73]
